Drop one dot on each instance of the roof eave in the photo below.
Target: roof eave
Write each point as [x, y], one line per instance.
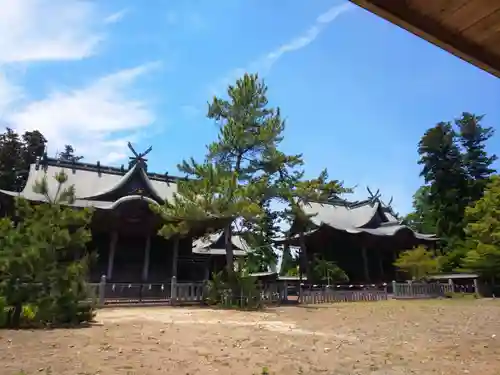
[429, 29]
[135, 169]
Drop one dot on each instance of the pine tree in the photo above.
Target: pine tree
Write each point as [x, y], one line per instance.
[477, 163]
[243, 172]
[42, 260]
[260, 235]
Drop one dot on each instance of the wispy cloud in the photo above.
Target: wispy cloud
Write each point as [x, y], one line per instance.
[264, 64]
[95, 117]
[116, 17]
[91, 117]
[37, 30]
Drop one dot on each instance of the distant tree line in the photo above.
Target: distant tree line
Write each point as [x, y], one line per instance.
[19, 151]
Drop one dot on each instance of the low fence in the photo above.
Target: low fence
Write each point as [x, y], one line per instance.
[106, 294]
[334, 296]
[174, 292]
[421, 290]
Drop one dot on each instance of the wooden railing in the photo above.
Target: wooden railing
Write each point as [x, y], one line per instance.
[334, 296]
[125, 293]
[420, 290]
[190, 292]
[196, 292]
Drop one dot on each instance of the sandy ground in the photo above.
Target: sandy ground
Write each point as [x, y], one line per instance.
[383, 338]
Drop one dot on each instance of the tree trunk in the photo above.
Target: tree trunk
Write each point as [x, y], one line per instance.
[229, 252]
[305, 258]
[14, 319]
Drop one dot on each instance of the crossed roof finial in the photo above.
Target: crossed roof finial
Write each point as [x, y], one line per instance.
[138, 157]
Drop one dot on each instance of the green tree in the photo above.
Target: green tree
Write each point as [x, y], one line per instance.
[417, 263]
[477, 162]
[69, 154]
[422, 217]
[443, 171]
[243, 171]
[260, 236]
[42, 260]
[288, 262]
[483, 233]
[329, 271]
[16, 155]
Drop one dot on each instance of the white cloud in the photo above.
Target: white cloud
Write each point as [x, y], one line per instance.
[10, 93]
[90, 118]
[37, 30]
[116, 17]
[264, 64]
[94, 118]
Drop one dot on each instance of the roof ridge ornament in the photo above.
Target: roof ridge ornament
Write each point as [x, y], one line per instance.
[138, 157]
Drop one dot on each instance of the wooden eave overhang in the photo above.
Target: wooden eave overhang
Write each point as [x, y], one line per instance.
[469, 29]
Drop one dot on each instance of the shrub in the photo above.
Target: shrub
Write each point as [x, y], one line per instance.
[40, 260]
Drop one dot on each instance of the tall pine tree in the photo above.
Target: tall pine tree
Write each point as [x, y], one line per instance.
[243, 171]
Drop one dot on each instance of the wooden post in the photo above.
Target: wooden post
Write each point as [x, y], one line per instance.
[102, 291]
[365, 264]
[303, 259]
[173, 290]
[285, 291]
[175, 256]
[207, 270]
[112, 250]
[145, 267]
[476, 288]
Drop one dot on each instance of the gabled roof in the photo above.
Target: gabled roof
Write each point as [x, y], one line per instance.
[370, 216]
[92, 183]
[213, 244]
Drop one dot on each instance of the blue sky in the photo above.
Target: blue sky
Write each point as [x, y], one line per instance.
[357, 92]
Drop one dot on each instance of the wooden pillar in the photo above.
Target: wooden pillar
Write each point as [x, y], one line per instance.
[207, 269]
[111, 256]
[175, 256]
[476, 287]
[381, 265]
[365, 264]
[303, 258]
[145, 267]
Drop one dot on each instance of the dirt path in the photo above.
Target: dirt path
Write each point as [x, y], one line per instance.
[389, 338]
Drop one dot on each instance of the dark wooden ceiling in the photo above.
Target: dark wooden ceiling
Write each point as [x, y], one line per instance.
[469, 29]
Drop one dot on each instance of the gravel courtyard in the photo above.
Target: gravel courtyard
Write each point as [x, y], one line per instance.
[386, 338]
